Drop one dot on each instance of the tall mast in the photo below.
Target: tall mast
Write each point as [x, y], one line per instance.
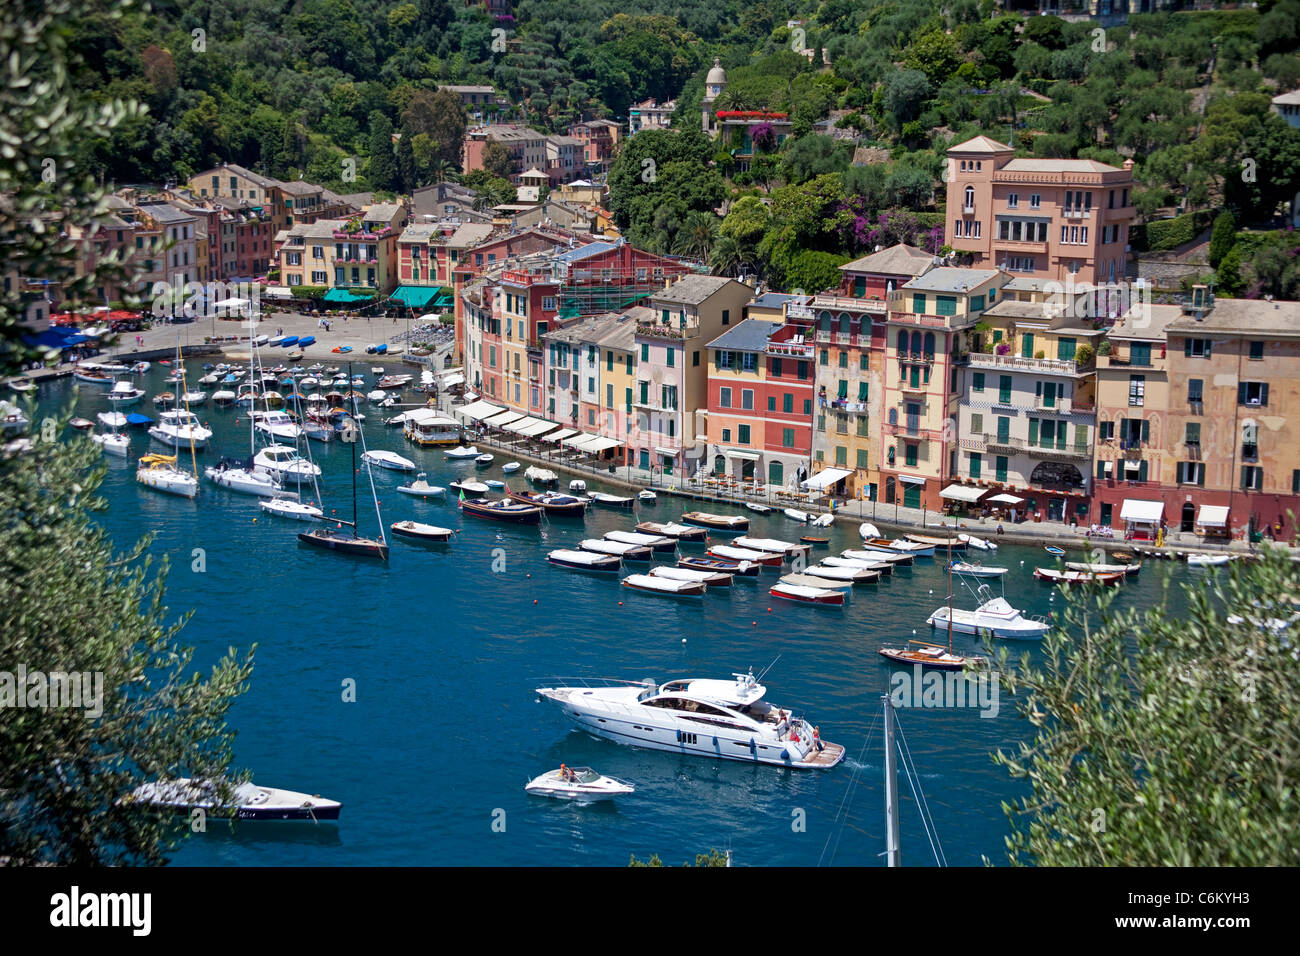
[950, 595]
[891, 788]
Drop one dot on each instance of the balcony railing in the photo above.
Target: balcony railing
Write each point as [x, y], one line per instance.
[791, 349]
[1020, 362]
[902, 429]
[655, 330]
[917, 318]
[849, 303]
[799, 312]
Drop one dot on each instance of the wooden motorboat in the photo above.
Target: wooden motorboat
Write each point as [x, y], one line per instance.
[978, 543]
[585, 560]
[1054, 551]
[1055, 576]
[423, 532]
[747, 569]
[731, 524]
[952, 544]
[656, 543]
[81, 424]
[806, 595]
[628, 552]
[665, 586]
[767, 559]
[815, 541]
[678, 532]
[899, 546]
[164, 398]
[554, 503]
[936, 656]
[502, 509]
[713, 579]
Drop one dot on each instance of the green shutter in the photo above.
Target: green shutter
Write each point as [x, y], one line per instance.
[1146, 430]
[976, 463]
[977, 382]
[1027, 345]
[918, 302]
[1033, 431]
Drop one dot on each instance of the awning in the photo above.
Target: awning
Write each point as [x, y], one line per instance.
[278, 292]
[559, 436]
[1107, 467]
[343, 297]
[825, 478]
[415, 296]
[601, 443]
[1006, 499]
[539, 427]
[578, 440]
[499, 421]
[1147, 512]
[429, 416]
[520, 424]
[450, 380]
[231, 304]
[911, 480]
[479, 410]
[742, 455]
[669, 452]
[1131, 465]
[1212, 516]
[962, 493]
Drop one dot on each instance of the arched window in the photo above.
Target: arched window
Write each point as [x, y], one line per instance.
[916, 343]
[775, 473]
[902, 344]
[929, 345]
[824, 321]
[719, 465]
[970, 197]
[893, 420]
[844, 323]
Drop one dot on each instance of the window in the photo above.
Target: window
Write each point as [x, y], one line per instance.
[1000, 468]
[645, 352]
[1252, 478]
[1198, 348]
[1250, 442]
[1191, 473]
[1256, 351]
[977, 382]
[776, 368]
[726, 436]
[787, 402]
[862, 458]
[1136, 390]
[1035, 201]
[1252, 394]
[802, 372]
[825, 357]
[821, 422]
[609, 361]
[787, 438]
[918, 302]
[910, 454]
[1192, 434]
[841, 455]
[1194, 387]
[672, 356]
[726, 316]
[743, 432]
[771, 403]
[1065, 349]
[695, 358]
[1013, 200]
[844, 359]
[1140, 353]
[1004, 389]
[945, 305]
[976, 464]
[977, 424]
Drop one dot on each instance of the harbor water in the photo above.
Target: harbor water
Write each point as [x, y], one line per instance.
[444, 647]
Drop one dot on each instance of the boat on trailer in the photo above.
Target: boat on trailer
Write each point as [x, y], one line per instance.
[667, 717]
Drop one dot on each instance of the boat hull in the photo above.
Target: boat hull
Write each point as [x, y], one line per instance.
[362, 547]
[532, 515]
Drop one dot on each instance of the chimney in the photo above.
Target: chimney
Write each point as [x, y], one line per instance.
[1128, 165]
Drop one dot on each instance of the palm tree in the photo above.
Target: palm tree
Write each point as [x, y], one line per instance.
[696, 236]
[440, 170]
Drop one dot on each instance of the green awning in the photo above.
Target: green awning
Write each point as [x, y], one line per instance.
[345, 296]
[416, 296]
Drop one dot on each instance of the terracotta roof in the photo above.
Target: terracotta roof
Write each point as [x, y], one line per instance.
[897, 260]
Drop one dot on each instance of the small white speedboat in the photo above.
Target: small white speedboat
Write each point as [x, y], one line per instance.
[113, 443]
[577, 486]
[470, 487]
[494, 483]
[577, 783]
[869, 531]
[460, 453]
[482, 461]
[978, 543]
[794, 514]
[22, 386]
[1207, 560]
[194, 398]
[288, 508]
[510, 467]
[422, 489]
[755, 507]
[823, 521]
[648, 496]
[388, 459]
[124, 393]
[235, 476]
[422, 532]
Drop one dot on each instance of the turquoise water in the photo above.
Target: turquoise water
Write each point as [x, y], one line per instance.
[446, 646]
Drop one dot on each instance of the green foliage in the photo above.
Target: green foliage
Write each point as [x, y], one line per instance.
[1178, 751]
[1228, 277]
[1165, 234]
[1222, 238]
[712, 858]
[658, 180]
[1083, 356]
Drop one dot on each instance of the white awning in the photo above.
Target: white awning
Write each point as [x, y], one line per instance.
[578, 440]
[1136, 509]
[1131, 465]
[234, 303]
[477, 411]
[450, 380]
[277, 292]
[498, 421]
[559, 436]
[520, 424]
[825, 478]
[962, 493]
[1006, 499]
[1107, 467]
[539, 427]
[741, 455]
[669, 452]
[911, 480]
[601, 443]
[429, 416]
[1212, 516]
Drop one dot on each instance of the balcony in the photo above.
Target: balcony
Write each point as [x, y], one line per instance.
[906, 431]
[968, 210]
[973, 443]
[1023, 364]
[927, 321]
[1078, 215]
[799, 312]
[656, 330]
[518, 278]
[849, 304]
[916, 358]
[843, 405]
[791, 349]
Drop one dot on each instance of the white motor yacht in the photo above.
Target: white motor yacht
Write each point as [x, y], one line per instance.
[388, 459]
[246, 801]
[124, 393]
[289, 508]
[994, 616]
[279, 425]
[577, 783]
[243, 477]
[705, 718]
[461, 453]
[284, 462]
[180, 429]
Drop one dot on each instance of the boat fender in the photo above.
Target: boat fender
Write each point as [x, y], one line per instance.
[785, 755]
[753, 747]
[715, 743]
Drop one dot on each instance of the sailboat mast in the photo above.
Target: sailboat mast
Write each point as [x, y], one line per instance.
[950, 595]
[891, 788]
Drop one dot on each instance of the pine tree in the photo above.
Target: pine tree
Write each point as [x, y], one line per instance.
[381, 168]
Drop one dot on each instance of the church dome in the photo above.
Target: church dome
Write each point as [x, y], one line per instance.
[717, 76]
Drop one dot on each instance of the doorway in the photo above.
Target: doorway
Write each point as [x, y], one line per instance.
[1188, 522]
